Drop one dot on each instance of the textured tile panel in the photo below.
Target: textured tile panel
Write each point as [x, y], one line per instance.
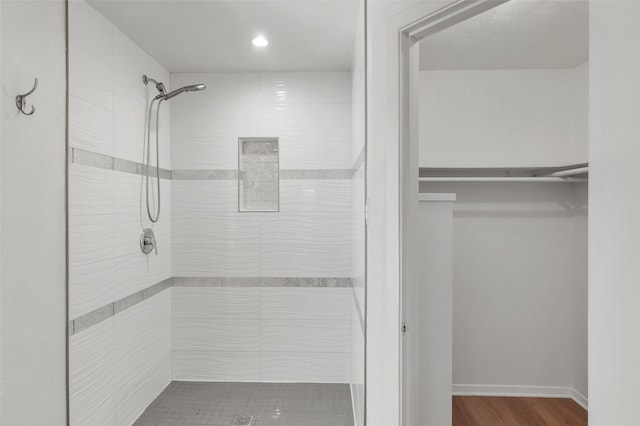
[210, 366]
[208, 153]
[90, 238]
[305, 260]
[135, 272]
[92, 378]
[306, 367]
[306, 88]
[212, 302]
[307, 303]
[196, 227]
[216, 260]
[90, 287]
[315, 228]
[306, 336]
[90, 126]
[315, 195]
[91, 191]
[207, 334]
[204, 196]
[142, 356]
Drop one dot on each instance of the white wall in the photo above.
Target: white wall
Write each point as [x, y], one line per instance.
[580, 80]
[33, 215]
[580, 352]
[358, 226]
[431, 358]
[614, 208]
[503, 118]
[277, 333]
[519, 288]
[118, 366]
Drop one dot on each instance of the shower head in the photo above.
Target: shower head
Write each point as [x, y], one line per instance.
[192, 88]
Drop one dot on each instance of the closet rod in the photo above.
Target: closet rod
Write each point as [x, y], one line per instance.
[570, 172]
[545, 179]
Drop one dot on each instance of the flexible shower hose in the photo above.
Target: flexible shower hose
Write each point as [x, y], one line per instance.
[153, 217]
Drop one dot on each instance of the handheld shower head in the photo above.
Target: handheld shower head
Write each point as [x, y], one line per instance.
[163, 96]
[163, 91]
[174, 93]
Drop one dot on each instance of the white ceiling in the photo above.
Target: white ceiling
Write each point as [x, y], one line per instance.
[519, 34]
[216, 35]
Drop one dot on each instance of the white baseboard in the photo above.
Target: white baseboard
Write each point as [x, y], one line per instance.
[521, 391]
[580, 399]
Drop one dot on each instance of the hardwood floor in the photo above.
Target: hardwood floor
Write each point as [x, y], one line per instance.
[501, 411]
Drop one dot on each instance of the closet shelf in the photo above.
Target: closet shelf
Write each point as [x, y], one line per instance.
[576, 173]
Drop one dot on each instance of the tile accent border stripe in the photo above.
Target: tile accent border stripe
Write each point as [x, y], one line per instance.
[91, 159]
[105, 312]
[285, 174]
[204, 175]
[101, 161]
[299, 174]
[262, 282]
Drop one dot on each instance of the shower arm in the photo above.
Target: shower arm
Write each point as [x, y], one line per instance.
[159, 85]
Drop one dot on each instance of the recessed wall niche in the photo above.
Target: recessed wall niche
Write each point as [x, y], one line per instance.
[258, 175]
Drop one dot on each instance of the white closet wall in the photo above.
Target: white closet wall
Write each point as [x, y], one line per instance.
[504, 118]
[520, 293]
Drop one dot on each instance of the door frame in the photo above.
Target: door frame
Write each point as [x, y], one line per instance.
[408, 37]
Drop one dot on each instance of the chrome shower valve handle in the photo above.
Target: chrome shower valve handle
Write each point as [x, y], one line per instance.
[148, 241]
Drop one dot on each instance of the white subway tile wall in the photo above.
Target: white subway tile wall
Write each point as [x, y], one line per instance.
[282, 333]
[118, 366]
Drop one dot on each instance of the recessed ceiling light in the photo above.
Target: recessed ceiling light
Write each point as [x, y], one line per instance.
[260, 41]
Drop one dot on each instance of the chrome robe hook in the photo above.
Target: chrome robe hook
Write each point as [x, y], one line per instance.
[21, 100]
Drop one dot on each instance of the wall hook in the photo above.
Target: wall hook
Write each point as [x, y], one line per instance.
[21, 100]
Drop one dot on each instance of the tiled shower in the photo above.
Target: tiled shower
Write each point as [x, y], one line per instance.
[233, 295]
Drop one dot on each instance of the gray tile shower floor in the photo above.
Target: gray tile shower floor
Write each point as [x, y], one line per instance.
[270, 404]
